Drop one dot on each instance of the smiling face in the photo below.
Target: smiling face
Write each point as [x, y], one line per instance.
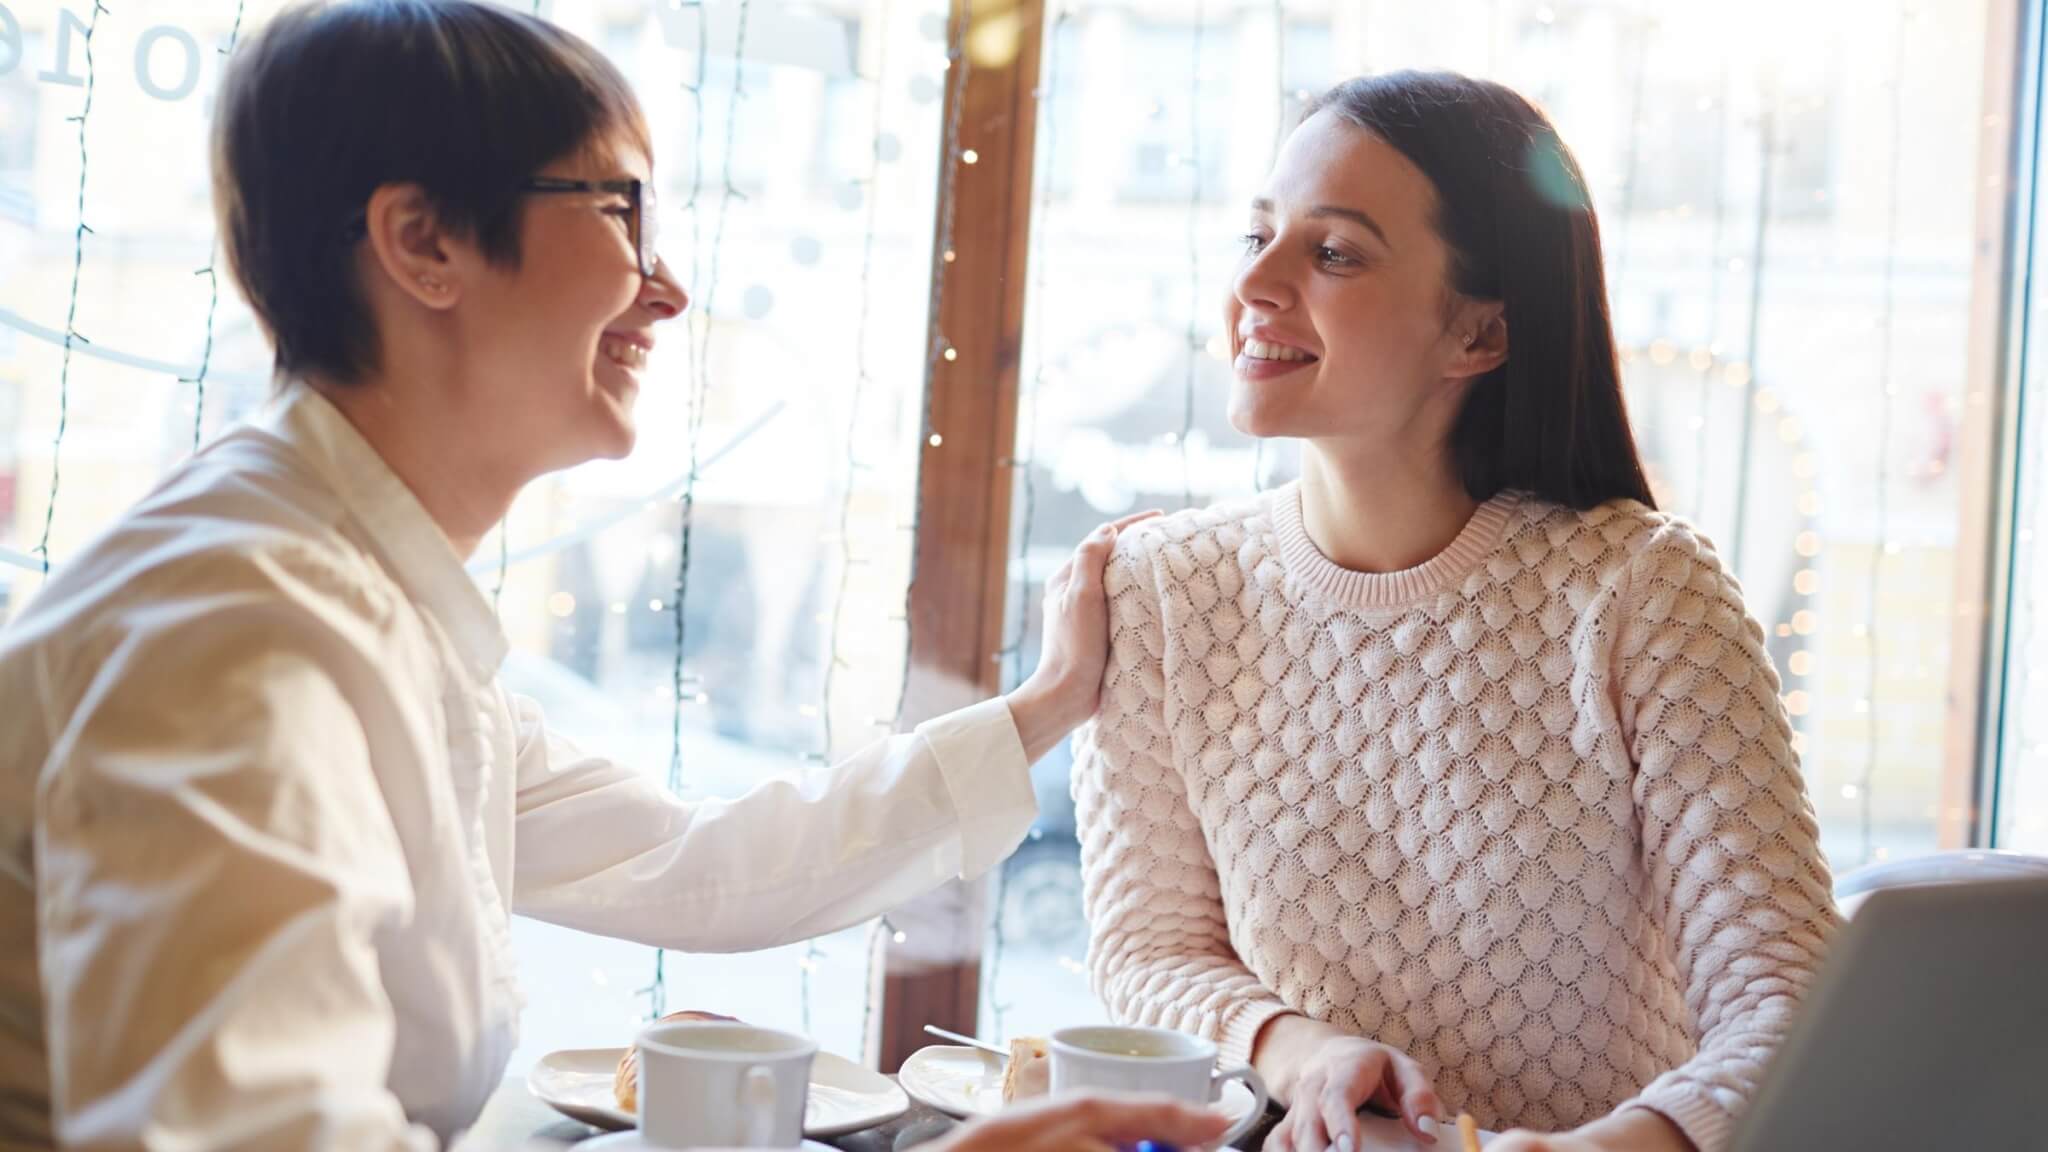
[561, 338]
[1342, 319]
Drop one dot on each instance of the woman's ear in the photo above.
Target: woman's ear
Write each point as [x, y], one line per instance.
[409, 245]
[1481, 335]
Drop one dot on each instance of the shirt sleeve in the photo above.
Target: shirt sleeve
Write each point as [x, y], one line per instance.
[601, 848]
[214, 860]
[1729, 839]
[1159, 951]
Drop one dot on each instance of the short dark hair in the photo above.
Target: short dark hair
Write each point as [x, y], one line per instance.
[331, 101]
[1515, 211]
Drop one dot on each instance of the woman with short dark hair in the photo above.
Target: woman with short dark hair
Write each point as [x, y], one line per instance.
[1453, 776]
[265, 810]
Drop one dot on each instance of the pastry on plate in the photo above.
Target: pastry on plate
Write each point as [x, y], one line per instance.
[626, 1082]
[1029, 1073]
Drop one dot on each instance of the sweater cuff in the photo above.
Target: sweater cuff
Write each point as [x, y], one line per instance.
[1241, 1029]
[981, 759]
[1703, 1122]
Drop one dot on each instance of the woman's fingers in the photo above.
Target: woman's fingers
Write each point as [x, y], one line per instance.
[1418, 1098]
[1081, 574]
[1311, 1134]
[1133, 518]
[1348, 1091]
[1289, 1135]
[1057, 582]
[1093, 551]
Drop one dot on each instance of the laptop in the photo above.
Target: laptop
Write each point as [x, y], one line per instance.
[1926, 1030]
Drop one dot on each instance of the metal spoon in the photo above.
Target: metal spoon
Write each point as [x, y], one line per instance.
[970, 1041]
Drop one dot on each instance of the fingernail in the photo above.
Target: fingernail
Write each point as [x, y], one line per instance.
[1429, 1128]
[1343, 1144]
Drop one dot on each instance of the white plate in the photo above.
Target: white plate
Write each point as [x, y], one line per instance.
[956, 1080]
[630, 1141]
[967, 1082]
[845, 1097]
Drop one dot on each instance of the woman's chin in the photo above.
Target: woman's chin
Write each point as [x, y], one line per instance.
[618, 439]
[616, 431]
[1255, 419]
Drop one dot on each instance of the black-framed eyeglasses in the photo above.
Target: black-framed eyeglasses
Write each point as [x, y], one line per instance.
[640, 216]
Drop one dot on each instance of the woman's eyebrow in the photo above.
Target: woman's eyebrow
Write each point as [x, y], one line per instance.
[1356, 216]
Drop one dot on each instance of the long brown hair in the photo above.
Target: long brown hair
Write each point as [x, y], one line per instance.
[1514, 210]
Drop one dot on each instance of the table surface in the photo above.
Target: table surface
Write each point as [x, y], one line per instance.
[514, 1121]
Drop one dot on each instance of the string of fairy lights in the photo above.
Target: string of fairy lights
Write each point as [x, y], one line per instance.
[1280, 128]
[1026, 459]
[704, 275]
[1764, 406]
[704, 291]
[864, 377]
[1631, 178]
[1888, 390]
[995, 1004]
[836, 658]
[72, 337]
[212, 274]
[1745, 455]
[938, 349]
[1706, 357]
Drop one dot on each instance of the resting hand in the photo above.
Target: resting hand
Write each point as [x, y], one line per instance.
[1063, 692]
[1342, 1074]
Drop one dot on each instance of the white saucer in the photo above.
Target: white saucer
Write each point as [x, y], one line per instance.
[844, 1097]
[967, 1082]
[631, 1141]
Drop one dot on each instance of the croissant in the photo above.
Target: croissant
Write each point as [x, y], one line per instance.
[626, 1082]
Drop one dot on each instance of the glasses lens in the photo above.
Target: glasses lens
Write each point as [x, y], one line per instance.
[644, 213]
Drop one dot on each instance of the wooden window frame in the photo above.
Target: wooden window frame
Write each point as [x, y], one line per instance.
[932, 975]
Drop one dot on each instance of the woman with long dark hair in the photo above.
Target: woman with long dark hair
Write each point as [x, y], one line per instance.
[1453, 777]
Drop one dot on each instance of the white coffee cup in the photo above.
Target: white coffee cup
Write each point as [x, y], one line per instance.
[709, 1084]
[1119, 1059]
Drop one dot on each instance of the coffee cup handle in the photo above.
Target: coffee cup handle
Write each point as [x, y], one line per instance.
[757, 1104]
[1244, 1073]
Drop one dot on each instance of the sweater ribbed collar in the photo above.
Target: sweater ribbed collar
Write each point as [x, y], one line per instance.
[1383, 590]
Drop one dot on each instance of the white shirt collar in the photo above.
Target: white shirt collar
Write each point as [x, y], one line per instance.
[408, 541]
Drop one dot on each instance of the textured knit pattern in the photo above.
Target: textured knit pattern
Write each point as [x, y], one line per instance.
[1528, 812]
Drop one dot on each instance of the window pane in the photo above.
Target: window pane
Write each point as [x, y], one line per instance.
[1815, 303]
[809, 354]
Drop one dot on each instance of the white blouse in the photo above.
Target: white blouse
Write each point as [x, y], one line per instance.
[265, 811]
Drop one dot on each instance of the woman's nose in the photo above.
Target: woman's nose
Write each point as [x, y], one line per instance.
[661, 294]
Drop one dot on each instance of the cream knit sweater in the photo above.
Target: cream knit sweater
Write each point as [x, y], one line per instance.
[1528, 812]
